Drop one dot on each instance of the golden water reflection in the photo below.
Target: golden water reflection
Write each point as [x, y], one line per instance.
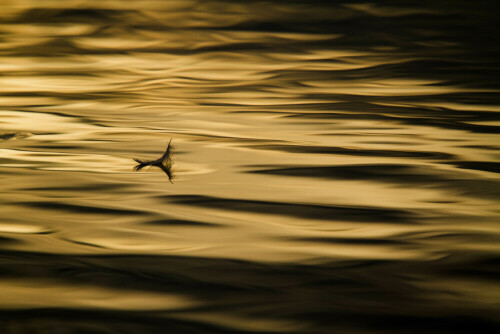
[326, 168]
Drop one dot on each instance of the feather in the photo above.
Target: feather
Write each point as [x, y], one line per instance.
[164, 162]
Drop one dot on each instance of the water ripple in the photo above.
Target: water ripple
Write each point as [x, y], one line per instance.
[337, 166]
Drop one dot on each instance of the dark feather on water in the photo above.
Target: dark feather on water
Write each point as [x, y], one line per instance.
[164, 162]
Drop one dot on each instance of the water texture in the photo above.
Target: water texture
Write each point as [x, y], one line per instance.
[335, 167]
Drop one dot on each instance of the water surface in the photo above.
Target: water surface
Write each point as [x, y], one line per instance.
[336, 167]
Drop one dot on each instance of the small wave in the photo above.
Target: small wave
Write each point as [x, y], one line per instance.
[311, 211]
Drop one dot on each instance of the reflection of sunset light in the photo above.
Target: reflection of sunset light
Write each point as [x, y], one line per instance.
[326, 155]
[18, 294]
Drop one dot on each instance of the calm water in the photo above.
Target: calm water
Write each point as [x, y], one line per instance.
[336, 167]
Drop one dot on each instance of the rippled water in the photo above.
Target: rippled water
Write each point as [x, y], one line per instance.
[336, 167]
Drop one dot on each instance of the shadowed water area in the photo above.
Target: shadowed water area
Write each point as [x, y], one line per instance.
[335, 167]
